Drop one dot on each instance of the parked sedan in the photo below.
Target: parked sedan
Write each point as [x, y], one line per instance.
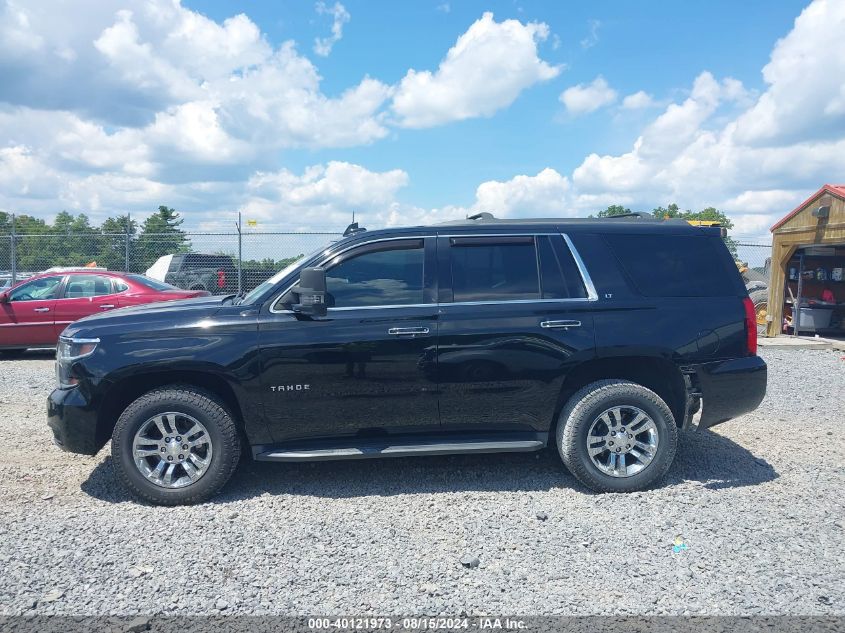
[34, 312]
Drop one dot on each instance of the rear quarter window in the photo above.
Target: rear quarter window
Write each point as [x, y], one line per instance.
[675, 265]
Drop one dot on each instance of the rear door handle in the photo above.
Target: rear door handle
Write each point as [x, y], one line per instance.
[41, 309]
[399, 331]
[107, 306]
[560, 324]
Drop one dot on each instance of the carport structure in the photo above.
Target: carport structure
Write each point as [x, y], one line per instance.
[808, 258]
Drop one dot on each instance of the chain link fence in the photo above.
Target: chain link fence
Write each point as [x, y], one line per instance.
[218, 262]
[757, 259]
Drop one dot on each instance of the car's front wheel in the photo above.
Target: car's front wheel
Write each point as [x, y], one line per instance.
[617, 436]
[175, 445]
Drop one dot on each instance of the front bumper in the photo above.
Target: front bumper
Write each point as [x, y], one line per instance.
[730, 388]
[73, 421]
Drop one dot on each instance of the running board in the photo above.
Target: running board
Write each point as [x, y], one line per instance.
[364, 450]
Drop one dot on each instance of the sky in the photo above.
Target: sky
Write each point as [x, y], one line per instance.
[299, 113]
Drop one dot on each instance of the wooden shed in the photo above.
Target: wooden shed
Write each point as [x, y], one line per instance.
[808, 261]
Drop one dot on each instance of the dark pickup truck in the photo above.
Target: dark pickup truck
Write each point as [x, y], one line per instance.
[218, 274]
[601, 337]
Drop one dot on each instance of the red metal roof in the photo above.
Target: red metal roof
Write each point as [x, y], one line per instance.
[836, 190]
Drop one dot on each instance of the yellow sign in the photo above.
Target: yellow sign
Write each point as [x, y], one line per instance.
[252, 222]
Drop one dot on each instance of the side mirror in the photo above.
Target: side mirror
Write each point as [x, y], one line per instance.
[4, 296]
[311, 292]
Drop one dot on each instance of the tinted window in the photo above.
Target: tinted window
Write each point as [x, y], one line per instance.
[87, 286]
[384, 277]
[559, 275]
[194, 260]
[673, 265]
[39, 289]
[487, 271]
[151, 283]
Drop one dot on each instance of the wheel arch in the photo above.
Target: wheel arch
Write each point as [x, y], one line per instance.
[660, 375]
[129, 388]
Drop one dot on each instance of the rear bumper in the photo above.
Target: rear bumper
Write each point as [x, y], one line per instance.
[730, 388]
[73, 422]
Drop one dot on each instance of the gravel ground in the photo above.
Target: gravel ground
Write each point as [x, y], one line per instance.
[757, 503]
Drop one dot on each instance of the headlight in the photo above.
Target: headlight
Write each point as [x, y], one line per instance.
[68, 351]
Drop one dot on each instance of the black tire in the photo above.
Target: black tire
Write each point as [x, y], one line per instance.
[760, 299]
[202, 406]
[586, 406]
[12, 353]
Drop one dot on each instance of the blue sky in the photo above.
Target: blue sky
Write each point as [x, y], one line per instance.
[418, 111]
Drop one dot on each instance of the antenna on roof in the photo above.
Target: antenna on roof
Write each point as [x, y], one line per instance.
[484, 215]
[353, 228]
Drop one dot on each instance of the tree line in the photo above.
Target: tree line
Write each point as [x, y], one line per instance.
[72, 240]
[708, 214]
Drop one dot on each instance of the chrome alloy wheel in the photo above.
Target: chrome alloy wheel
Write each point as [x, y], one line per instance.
[172, 450]
[622, 441]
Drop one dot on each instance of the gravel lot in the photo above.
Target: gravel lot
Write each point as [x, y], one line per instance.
[758, 504]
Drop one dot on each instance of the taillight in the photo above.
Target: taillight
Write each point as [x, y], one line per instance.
[221, 278]
[750, 326]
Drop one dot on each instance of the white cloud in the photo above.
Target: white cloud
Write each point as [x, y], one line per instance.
[482, 73]
[586, 98]
[340, 16]
[805, 98]
[638, 101]
[144, 103]
[132, 64]
[593, 36]
[547, 193]
[324, 195]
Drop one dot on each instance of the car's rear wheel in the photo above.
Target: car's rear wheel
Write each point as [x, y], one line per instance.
[617, 436]
[175, 445]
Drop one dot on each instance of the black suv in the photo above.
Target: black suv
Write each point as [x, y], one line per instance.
[603, 337]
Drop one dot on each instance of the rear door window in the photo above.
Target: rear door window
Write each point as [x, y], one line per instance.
[494, 268]
[83, 286]
[673, 265]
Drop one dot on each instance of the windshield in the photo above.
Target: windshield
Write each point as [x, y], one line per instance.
[151, 283]
[284, 272]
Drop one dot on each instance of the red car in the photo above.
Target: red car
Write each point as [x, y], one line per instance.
[34, 312]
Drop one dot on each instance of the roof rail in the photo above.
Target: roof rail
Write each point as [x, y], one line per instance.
[352, 229]
[632, 214]
[484, 215]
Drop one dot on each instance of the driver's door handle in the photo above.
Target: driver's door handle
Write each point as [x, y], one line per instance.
[560, 324]
[399, 331]
[107, 306]
[41, 309]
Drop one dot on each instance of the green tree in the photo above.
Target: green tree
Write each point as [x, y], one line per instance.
[71, 240]
[708, 214]
[34, 250]
[112, 252]
[160, 235]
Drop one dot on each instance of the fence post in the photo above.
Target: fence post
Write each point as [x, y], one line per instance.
[128, 236]
[240, 255]
[13, 251]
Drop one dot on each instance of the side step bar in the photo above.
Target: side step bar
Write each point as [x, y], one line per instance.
[382, 449]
